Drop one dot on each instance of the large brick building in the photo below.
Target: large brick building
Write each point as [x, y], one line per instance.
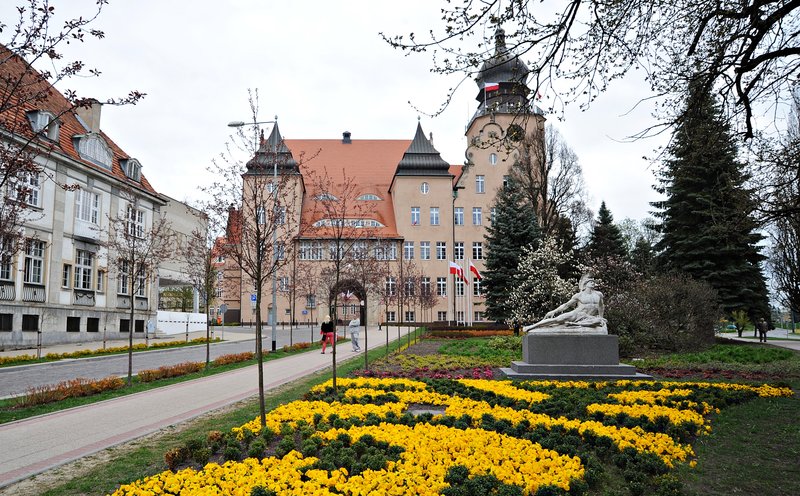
[411, 211]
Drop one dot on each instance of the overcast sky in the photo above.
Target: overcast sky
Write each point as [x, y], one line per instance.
[322, 68]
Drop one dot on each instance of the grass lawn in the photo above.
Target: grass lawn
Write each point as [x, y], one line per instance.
[753, 446]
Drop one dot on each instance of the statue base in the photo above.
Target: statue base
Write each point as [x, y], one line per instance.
[568, 356]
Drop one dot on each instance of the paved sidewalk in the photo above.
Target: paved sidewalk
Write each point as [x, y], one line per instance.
[775, 337]
[37, 444]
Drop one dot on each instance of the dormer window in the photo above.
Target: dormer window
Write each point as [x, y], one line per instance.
[326, 197]
[44, 123]
[93, 148]
[369, 197]
[132, 169]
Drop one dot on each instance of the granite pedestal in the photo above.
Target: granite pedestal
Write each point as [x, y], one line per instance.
[568, 356]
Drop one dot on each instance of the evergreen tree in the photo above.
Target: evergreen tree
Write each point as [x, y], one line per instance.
[606, 239]
[707, 229]
[513, 228]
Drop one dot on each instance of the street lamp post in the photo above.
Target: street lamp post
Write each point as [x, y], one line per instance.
[274, 310]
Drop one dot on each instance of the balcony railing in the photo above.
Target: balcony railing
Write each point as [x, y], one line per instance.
[33, 292]
[7, 291]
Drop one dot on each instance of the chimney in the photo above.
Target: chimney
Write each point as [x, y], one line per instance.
[346, 138]
[89, 112]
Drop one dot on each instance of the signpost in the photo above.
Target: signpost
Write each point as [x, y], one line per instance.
[222, 309]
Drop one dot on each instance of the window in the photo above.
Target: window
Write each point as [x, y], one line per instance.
[311, 301]
[476, 288]
[477, 216]
[360, 250]
[27, 189]
[87, 206]
[124, 279]
[5, 259]
[458, 216]
[459, 287]
[94, 149]
[135, 219]
[441, 250]
[101, 277]
[218, 292]
[335, 252]
[305, 250]
[66, 276]
[281, 216]
[280, 251]
[414, 216]
[505, 182]
[408, 287]
[284, 284]
[441, 316]
[410, 317]
[424, 188]
[271, 188]
[459, 250]
[83, 269]
[322, 197]
[434, 216]
[493, 215]
[391, 316]
[425, 286]
[386, 251]
[30, 322]
[425, 250]
[34, 261]
[477, 250]
[132, 169]
[45, 123]
[92, 324]
[460, 316]
[6, 322]
[124, 325]
[480, 184]
[441, 286]
[493, 158]
[139, 327]
[261, 215]
[73, 324]
[316, 250]
[478, 316]
[408, 250]
[369, 197]
[391, 286]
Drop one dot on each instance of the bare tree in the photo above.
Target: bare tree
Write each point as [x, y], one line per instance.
[306, 284]
[551, 177]
[135, 251]
[344, 221]
[746, 50]
[198, 255]
[366, 267]
[257, 200]
[33, 39]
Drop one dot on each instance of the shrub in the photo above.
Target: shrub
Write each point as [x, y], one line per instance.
[665, 313]
[170, 371]
[175, 457]
[74, 388]
[234, 358]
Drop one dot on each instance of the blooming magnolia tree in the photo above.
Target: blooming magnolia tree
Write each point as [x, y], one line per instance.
[537, 286]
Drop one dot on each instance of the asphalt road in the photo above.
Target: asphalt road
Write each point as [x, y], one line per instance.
[19, 379]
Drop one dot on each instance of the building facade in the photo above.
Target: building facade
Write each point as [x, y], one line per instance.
[59, 285]
[382, 224]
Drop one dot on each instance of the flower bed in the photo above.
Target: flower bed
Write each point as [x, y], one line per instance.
[373, 436]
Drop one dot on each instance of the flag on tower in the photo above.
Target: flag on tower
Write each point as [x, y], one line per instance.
[491, 86]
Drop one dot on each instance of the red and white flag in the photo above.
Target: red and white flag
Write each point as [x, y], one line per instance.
[491, 86]
[458, 271]
[474, 270]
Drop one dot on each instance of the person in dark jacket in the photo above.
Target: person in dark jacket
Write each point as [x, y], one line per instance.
[327, 330]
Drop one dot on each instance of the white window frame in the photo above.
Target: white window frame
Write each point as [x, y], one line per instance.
[87, 206]
[434, 216]
[477, 216]
[5, 260]
[480, 184]
[135, 222]
[84, 263]
[408, 250]
[424, 188]
[31, 183]
[424, 250]
[441, 286]
[458, 250]
[477, 250]
[458, 216]
[415, 214]
[33, 272]
[390, 286]
[441, 250]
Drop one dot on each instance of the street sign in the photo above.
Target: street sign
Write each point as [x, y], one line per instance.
[305, 312]
[252, 297]
[223, 308]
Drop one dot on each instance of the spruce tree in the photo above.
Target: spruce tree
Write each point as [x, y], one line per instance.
[606, 239]
[707, 229]
[514, 227]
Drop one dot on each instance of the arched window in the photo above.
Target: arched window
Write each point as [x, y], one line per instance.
[369, 197]
[92, 147]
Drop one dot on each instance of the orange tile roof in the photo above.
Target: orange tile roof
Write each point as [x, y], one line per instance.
[370, 163]
[13, 118]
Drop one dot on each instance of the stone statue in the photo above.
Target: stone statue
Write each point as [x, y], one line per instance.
[585, 318]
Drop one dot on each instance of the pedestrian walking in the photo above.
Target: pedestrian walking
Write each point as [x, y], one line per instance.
[762, 327]
[327, 331]
[354, 327]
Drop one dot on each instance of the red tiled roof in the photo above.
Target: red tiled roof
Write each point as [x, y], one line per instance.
[370, 163]
[13, 118]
